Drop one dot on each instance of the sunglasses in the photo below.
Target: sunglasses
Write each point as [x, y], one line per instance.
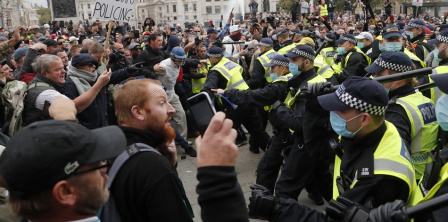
[197, 31]
[90, 64]
[104, 167]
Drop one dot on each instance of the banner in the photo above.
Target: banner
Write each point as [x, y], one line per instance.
[116, 10]
[417, 2]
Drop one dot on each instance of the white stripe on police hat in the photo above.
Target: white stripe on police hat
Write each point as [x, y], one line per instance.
[303, 54]
[442, 38]
[280, 63]
[349, 39]
[362, 106]
[392, 66]
[415, 25]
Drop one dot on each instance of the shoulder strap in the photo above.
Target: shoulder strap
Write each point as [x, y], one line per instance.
[38, 84]
[124, 156]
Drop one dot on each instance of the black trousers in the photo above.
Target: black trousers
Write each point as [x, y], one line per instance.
[302, 170]
[269, 165]
[250, 118]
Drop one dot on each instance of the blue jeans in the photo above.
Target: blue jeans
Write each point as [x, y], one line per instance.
[330, 16]
[180, 140]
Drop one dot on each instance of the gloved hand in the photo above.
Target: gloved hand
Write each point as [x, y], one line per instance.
[390, 212]
[345, 210]
[134, 68]
[319, 88]
[262, 204]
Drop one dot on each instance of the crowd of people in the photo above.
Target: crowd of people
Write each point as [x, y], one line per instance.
[90, 121]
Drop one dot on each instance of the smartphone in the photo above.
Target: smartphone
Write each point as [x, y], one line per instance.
[202, 110]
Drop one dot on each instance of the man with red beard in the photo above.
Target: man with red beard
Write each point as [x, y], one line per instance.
[147, 186]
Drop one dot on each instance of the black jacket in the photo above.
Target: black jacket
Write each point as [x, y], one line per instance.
[258, 79]
[95, 115]
[151, 57]
[147, 186]
[355, 66]
[419, 51]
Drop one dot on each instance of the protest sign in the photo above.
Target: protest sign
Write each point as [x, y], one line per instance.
[417, 2]
[117, 10]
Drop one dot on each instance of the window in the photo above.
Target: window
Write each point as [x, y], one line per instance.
[160, 9]
[174, 8]
[226, 7]
[167, 8]
[186, 7]
[82, 7]
[175, 18]
[186, 17]
[194, 7]
[208, 0]
[90, 16]
[88, 5]
[217, 9]
[217, 0]
[209, 9]
[143, 10]
[195, 17]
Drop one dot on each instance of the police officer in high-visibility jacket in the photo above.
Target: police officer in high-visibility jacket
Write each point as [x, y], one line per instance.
[441, 56]
[415, 29]
[284, 40]
[412, 113]
[265, 97]
[225, 74]
[304, 164]
[350, 61]
[374, 167]
[260, 74]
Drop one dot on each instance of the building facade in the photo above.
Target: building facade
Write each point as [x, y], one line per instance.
[17, 12]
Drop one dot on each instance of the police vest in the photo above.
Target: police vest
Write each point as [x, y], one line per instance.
[285, 49]
[420, 195]
[414, 57]
[198, 84]
[425, 50]
[337, 67]
[266, 58]
[328, 54]
[436, 93]
[232, 72]
[424, 128]
[323, 10]
[284, 78]
[391, 158]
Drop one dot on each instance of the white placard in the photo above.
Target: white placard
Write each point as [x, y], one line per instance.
[116, 10]
[417, 2]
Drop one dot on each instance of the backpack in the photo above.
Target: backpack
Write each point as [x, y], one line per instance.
[12, 98]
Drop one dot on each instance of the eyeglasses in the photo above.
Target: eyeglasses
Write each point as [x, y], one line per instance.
[104, 167]
[197, 31]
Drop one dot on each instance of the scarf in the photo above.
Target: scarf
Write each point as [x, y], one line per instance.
[81, 78]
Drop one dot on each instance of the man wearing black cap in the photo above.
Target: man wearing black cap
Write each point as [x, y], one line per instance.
[374, 167]
[349, 61]
[62, 168]
[82, 78]
[260, 75]
[410, 111]
[284, 41]
[269, 166]
[415, 29]
[225, 74]
[307, 162]
[135, 51]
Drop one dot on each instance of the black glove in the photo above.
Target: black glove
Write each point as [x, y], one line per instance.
[345, 210]
[390, 212]
[319, 88]
[136, 67]
[338, 59]
[262, 204]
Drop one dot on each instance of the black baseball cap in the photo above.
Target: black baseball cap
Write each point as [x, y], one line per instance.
[46, 152]
[360, 93]
[51, 42]
[441, 80]
[83, 59]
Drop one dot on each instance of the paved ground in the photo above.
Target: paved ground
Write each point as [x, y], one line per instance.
[246, 165]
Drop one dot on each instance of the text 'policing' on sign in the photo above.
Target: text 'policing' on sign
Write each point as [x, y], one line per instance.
[117, 10]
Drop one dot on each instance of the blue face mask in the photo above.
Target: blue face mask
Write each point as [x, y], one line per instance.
[393, 46]
[442, 112]
[341, 50]
[273, 76]
[294, 68]
[436, 55]
[410, 34]
[388, 89]
[360, 45]
[339, 125]
[381, 47]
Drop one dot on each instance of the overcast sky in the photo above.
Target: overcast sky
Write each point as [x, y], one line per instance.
[39, 2]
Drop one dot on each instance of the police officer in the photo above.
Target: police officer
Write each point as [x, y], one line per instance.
[225, 74]
[350, 61]
[330, 50]
[296, 35]
[306, 162]
[410, 111]
[284, 41]
[374, 168]
[415, 29]
[260, 75]
[441, 56]
[264, 98]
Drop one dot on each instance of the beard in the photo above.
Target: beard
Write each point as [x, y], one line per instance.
[168, 133]
[91, 198]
